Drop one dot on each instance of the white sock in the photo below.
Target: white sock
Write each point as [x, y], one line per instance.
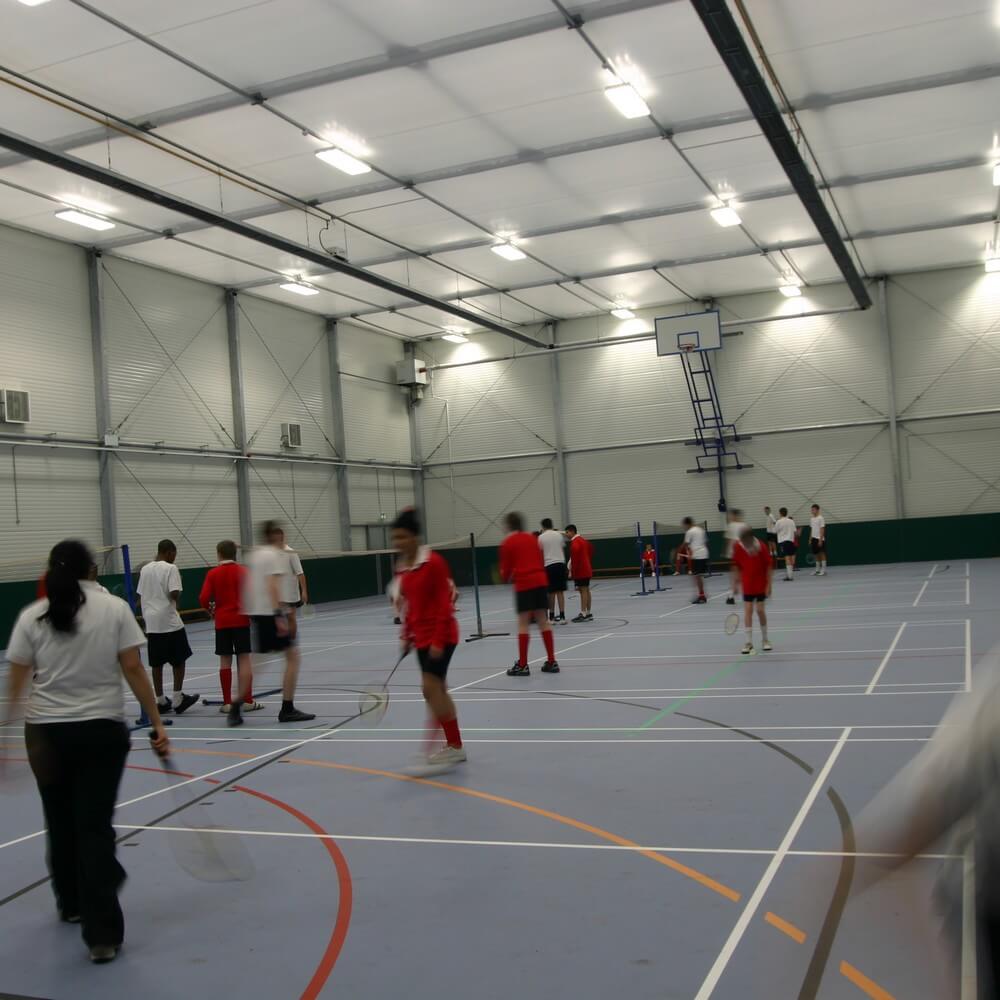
[791, 572]
[162, 700]
[763, 632]
[178, 698]
[749, 633]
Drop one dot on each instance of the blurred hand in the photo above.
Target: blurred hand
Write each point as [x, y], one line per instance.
[158, 740]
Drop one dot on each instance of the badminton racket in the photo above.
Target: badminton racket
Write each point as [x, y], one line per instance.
[202, 849]
[732, 623]
[374, 700]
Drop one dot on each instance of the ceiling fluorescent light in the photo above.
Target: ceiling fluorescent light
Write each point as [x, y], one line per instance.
[996, 174]
[993, 265]
[726, 216]
[790, 291]
[33, 3]
[84, 219]
[298, 288]
[455, 338]
[508, 251]
[343, 161]
[622, 312]
[627, 100]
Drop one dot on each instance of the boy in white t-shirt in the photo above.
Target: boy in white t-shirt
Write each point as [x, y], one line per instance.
[553, 545]
[159, 589]
[771, 533]
[735, 526]
[696, 546]
[817, 540]
[296, 590]
[787, 541]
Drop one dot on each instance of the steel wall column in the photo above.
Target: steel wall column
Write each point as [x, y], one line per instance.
[239, 418]
[339, 436]
[102, 401]
[410, 352]
[557, 408]
[890, 379]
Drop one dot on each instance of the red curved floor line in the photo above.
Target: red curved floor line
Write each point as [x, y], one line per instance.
[339, 933]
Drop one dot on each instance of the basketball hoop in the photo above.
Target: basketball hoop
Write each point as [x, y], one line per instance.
[687, 348]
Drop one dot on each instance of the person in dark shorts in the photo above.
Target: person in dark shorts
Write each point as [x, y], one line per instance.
[427, 602]
[788, 541]
[521, 564]
[817, 540]
[553, 545]
[696, 547]
[581, 553]
[753, 563]
[771, 532]
[159, 590]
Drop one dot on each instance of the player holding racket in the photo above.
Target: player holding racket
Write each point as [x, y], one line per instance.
[755, 565]
[427, 601]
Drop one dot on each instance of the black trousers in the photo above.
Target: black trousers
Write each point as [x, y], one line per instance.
[78, 766]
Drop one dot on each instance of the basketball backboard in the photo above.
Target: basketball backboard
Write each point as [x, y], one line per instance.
[692, 332]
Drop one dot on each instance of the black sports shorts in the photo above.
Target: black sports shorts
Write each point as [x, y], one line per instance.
[699, 567]
[439, 668]
[788, 548]
[582, 583]
[772, 536]
[265, 635]
[531, 600]
[759, 598]
[232, 641]
[170, 648]
[817, 546]
[556, 573]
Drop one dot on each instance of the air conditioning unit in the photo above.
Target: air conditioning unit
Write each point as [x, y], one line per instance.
[411, 372]
[16, 406]
[291, 435]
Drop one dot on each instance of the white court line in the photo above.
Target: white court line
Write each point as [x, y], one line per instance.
[870, 607]
[930, 575]
[753, 903]
[885, 659]
[966, 569]
[727, 654]
[455, 842]
[691, 604]
[916, 600]
[968, 656]
[968, 591]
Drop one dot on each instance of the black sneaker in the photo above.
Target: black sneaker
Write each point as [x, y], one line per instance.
[101, 954]
[235, 716]
[165, 707]
[397, 621]
[730, 600]
[551, 667]
[700, 600]
[186, 702]
[294, 715]
[588, 618]
[561, 618]
[519, 670]
[580, 618]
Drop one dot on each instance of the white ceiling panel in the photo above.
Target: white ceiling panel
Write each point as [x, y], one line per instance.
[355, 294]
[424, 276]
[556, 300]
[35, 118]
[307, 229]
[737, 165]
[34, 37]
[640, 289]
[487, 266]
[726, 277]
[918, 251]
[777, 220]
[325, 304]
[397, 323]
[183, 259]
[815, 264]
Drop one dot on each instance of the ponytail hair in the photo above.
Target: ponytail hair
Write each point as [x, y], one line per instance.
[69, 563]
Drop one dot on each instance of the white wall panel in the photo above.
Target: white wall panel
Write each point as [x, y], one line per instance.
[376, 421]
[190, 500]
[57, 498]
[287, 375]
[45, 333]
[303, 497]
[474, 498]
[377, 492]
[946, 340]
[167, 357]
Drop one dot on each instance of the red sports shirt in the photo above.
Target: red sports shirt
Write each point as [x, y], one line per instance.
[521, 562]
[580, 554]
[649, 557]
[224, 585]
[754, 568]
[427, 593]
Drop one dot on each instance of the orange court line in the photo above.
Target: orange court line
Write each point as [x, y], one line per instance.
[863, 983]
[798, 936]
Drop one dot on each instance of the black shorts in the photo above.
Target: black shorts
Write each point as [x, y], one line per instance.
[788, 548]
[170, 648]
[772, 537]
[265, 635]
[817, 546]
[759, 598]
[699, 567]
[556, 573]
[583, 583]
[232, 641]
[531, 600]
[439, 668]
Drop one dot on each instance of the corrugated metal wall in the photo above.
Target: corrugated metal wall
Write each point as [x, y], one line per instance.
[377, 495]
[303, 497]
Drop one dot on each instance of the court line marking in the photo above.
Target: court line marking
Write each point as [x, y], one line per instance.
[916, 600]
[781, 652]
[885, 659]
[795, 933]
[968, 656]
[691, 604]
[968, 591]
[934, 568]
[757, 896]
[966, 569]
[863, 983]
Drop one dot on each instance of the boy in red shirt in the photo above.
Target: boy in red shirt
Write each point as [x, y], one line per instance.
[649, 560]
[755, 565]
[426, 599]
[522, 565]
[580, 554]
[222, 596]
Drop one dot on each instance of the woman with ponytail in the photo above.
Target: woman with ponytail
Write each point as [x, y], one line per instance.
[71, 650]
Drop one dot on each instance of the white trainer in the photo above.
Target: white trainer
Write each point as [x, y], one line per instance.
[822, 572]
[448, 755]
[767, 647]
[748, 649]
[224, 709]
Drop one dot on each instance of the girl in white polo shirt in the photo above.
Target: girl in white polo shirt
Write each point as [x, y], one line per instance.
[71, 650]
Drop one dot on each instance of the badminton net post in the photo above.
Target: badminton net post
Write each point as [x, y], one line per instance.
[642, 592]
[656, 557]
[479, 633]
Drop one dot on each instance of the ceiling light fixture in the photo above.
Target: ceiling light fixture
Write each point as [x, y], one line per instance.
[343, 161]
[79, 218]
[993, 265]
[622, 312]
[627, 100]
[508, 251]
[996, 174]
[726, 216]
[454, 337]
[33, 3]
[790, 291]
[298, 288]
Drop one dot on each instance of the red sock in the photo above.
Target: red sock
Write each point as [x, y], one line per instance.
[522, 649]
[226, 680]
[550, 645]
[451, 734]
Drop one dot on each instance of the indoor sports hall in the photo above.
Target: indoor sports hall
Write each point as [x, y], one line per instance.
[705, 293]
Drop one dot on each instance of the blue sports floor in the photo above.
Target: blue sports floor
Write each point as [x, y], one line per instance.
[664, 819]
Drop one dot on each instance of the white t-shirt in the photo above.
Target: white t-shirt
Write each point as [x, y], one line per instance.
[816, 526]
[553, 545]
[733, 531]
[290, 584]
[77, 676]
[772, 524]
[157, 581]
[785, 528]
[265, 562]
[695, 540]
